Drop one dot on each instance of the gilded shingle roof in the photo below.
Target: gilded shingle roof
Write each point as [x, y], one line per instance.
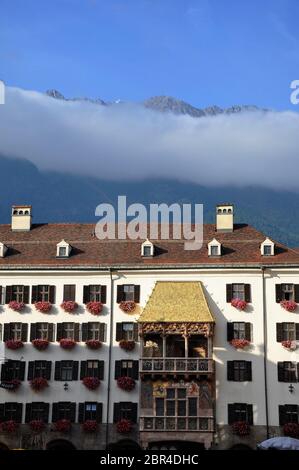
[177, 302]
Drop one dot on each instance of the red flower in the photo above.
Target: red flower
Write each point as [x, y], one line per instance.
[239, 343]
[14, 344]
[288, 344]
[39, 383]
[127, 306]
[92, 383]
[93, 344]
[127, 345]
[10, 426]
[241, 428]
[69, 306]
[16, 306]
[94, 307]
[126, 383]
[90, 426]
[67, 343]
[239, 304]
[62, 425]
[288, 305]
[291, 430]
[124, 426]
[40, 344]
[43, 307]
[37, 425]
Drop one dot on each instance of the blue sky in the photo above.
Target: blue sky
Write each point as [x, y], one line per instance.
[203, 51]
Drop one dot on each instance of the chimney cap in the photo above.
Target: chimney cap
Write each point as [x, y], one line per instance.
[225, 204]
[19, 206]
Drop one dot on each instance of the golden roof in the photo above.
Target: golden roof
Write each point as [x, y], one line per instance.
[176, 301]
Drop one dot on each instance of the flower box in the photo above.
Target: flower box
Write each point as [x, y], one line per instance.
[288, 305]
[124, 426]
[40, 344]
[126, 383]
[291, 430]
[16, 306]
[239, 304]
[37, 425]
[127, 306]
[13, 384]
[67, 343]
[10, 426]
[127, 345]
[93, 344]
[69, 306]
[94, 307]
[92, 383]
[44, 307]
[14, 344]
[90, 426]
[62, 425]
[239, 343]
[241, 428]
[38, 384]
[290, 345]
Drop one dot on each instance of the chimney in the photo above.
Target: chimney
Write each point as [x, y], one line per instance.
[21, 218]
[224, 218]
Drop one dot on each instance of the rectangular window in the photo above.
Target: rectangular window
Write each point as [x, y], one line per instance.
[267, 250]
[69, 292]
[90, 411]
[95, 293]
[160, 407]
[192, 406]
[128, 292]
[40, 369]
[18, 293]
[289, 331]
[214, 250]
[38, 411]
[12, 370]
[175, 403]
[64, 410]
[69, 330]
[239, 330]
[66, 370]
[62, 251]
[287, 371]
[16, 331]
[128, 331]
[44, 293]
[126, 411]
[42, 330]
[13, 411]
[287, 291]
[240, 412]
[240, 371]
[238, 291]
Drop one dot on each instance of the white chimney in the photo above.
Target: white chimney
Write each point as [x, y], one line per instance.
[224, 218]
[21, 218]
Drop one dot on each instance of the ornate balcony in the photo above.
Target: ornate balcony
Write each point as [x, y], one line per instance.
[177, 423]
[177, 365]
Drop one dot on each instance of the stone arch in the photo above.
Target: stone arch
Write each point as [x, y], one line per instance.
[60, 444]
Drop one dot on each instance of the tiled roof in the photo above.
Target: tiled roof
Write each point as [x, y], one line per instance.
[38, 248]
[176, 302]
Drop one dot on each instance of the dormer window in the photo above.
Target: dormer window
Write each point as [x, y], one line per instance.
[267, 248]
[3, 250]
[63, 249]
[214, 248]
[147, 249]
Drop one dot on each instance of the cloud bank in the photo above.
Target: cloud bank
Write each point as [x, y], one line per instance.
[129, 142]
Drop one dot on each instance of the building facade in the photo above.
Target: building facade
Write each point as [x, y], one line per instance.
[105, 342]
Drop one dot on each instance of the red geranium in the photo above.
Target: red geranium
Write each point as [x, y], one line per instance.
[291, 430]
[15, 384]
[126, 383]
[239, 343]
[69, 306]
[14, 344]
[290, 345]
[92, 383]
[43, 307]
[93, 344]
[62, 425]
[16, 306]
[127, 345]
[239, 304]
[37, 425]
[40, 344]
[94, 307]
[241, 428]
[90, 425]
[67, 343]
[39, 383]
[10, 426]
[124, 426]
[127, 306]
[288, 305]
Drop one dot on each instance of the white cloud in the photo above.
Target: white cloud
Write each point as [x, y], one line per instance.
[126, 141]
